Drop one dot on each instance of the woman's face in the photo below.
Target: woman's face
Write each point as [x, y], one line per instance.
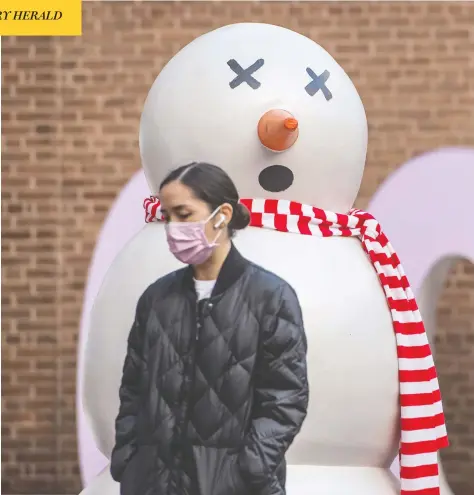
[179, 204]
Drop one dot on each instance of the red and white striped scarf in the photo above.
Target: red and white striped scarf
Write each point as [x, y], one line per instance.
[423, 429]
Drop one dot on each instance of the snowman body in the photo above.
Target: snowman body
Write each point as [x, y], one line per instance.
[205, 106]
[351, 432]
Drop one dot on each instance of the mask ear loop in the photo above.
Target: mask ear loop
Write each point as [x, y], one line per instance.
[216, 226]
[219, 223]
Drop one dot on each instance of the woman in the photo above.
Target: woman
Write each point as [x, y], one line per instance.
[214, 385]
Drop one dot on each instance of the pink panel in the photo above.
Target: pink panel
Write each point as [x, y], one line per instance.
[124, 221]
[425, 208]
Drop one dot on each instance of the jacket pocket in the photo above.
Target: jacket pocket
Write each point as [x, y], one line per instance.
[274, 488]
[135, 478]
[217, 472]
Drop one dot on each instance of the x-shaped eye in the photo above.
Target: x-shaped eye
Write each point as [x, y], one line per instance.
[245, 75]
[318, 83]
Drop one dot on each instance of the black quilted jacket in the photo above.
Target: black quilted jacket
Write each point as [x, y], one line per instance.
[213, 393]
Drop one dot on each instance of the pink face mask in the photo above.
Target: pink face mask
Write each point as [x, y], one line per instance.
[188, 242]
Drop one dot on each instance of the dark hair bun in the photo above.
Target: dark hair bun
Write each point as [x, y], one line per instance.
[240, 217]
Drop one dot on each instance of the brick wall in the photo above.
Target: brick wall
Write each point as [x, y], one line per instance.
[70, 110]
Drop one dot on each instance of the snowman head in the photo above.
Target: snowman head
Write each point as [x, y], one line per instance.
[266, 104]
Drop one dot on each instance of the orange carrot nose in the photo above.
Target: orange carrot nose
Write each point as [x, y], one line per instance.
[278, 130]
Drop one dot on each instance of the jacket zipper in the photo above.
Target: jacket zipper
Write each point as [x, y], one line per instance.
[192, 367]
[196, 341]
[192, 377]
[198, 325]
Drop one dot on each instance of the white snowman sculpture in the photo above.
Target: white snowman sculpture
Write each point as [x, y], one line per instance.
[277, 112]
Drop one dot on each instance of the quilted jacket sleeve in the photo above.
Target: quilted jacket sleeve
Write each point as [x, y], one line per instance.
[281, 391]
[125, 424]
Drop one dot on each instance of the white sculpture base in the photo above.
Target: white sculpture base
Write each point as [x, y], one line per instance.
[340, 480]
[301, 480]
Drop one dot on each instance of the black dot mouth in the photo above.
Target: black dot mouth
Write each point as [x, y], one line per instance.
[276, 178]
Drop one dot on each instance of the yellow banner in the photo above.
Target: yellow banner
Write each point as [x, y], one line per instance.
[40, 18]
